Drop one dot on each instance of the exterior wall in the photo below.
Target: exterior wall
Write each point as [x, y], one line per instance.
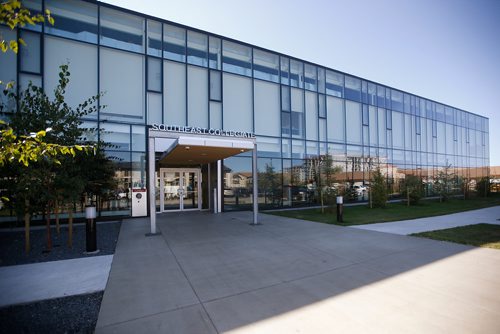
[153, 71]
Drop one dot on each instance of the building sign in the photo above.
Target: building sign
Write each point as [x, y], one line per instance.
[202, 131]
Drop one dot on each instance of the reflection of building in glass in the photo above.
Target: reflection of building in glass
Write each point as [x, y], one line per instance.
[154, 71]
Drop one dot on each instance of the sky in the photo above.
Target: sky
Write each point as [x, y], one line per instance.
[444, 50]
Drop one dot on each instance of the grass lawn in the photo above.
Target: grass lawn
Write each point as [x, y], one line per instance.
[481, 235]
[359, 215]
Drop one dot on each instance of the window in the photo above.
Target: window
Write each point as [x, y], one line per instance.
[334, 83]
[322, 105]
[296, 74]
[397, 100]
[285, 70]
[265, 65]
[352, 89]
[30, 53]
[215, 85]
[197, 49]
[214, 53]
[73, 19]
[372, 94]
[321, 80]
[35, 7]
[154, 38]
[440, 112]
[237, 58]
[381, 96]
[285, 98]
[310, 77]
[174, 43]
[364, 92]
[121, 30]
[285, 124]
[388, 118]
[366, 117]
[154, 74]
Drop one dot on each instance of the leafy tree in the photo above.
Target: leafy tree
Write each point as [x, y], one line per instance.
[47, 176]
[378, 189]
[324, 176]
[443, 183]
[412, 189]
[269, 182]
[14, 14]
[483, 187]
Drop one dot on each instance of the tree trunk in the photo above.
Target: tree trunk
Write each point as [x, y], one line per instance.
[47, 219]
[27, 218]
[70, 227]
[322, 202]
[56, 213]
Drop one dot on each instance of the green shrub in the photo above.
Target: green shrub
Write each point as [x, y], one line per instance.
[378, 190]
[412, 189]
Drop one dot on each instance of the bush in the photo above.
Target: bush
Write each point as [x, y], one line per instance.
[412, 188]
[483, 187]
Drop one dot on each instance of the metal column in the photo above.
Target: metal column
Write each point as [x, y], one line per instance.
[219, 186]
[151, 185]
[255, 185]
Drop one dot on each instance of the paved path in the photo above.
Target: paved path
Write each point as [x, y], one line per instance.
[47, 280]
[405, 227]
[217, 274]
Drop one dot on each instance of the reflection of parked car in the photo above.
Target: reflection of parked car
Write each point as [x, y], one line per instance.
[359, 189]
[228, 192]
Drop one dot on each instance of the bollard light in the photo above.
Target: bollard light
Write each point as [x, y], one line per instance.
[340, 209]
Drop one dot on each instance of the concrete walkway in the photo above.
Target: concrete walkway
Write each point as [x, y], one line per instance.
[33, 282]
[217, 274]
[406, 227]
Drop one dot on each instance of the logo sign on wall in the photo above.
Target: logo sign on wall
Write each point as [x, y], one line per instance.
[202, 131]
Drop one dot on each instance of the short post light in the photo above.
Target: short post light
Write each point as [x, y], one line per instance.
[90, 229]
[340, 209]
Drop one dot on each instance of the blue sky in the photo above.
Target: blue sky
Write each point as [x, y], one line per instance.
[445, 50]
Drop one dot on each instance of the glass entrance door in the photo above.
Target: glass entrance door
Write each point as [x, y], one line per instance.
[180, 189]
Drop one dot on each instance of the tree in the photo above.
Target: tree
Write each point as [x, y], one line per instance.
[43, 176]
[378, 189]
[269, 183]
[14, 14]
[412, 189]
[324, 176]
[483, 187]
[443, 183]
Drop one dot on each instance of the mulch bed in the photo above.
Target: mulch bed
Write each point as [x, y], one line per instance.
[12, 244]
[72, 314]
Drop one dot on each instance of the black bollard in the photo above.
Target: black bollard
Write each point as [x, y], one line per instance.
[340, 209]
[90, 229]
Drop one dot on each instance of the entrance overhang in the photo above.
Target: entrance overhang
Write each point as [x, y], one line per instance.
[181, 148]
[193, 151]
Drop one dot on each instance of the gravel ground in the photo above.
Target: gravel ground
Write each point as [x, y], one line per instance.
[74, 314]
[12, 244]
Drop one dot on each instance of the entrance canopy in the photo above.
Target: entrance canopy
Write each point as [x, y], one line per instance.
[196, 146]
[189, 150]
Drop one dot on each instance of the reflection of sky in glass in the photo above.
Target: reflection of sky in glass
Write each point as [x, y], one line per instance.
[443, 50]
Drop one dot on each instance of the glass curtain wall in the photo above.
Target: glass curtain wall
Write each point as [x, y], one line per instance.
[305, 116]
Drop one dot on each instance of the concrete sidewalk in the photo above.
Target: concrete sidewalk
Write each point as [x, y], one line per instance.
[406, 227]
[39, 281]
[211, 273]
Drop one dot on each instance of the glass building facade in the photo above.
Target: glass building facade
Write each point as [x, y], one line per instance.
[154, 71]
